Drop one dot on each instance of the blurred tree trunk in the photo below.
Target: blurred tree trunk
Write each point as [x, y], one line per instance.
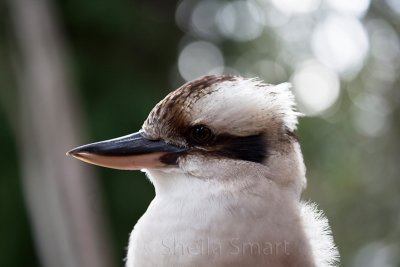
[60, 192]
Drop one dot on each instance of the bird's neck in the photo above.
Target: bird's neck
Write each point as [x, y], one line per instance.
[256, 218]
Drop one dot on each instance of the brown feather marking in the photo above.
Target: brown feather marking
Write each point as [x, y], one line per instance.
[170, 116]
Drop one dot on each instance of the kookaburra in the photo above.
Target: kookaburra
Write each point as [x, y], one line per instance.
[223, 156]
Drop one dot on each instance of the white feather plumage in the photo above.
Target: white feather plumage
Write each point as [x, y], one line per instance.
[318, 232]
[245, 105]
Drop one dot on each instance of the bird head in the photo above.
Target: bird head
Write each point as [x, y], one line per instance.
[215, 127]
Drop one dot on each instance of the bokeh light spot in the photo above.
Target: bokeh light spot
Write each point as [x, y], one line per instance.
[240, 20]
[203, 19]
[295, 6]
[200, 58]
[316, 87]
[353, 8]
[341, 43]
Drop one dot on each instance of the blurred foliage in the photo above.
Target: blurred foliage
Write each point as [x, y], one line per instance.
[119, 55]
[123, 55]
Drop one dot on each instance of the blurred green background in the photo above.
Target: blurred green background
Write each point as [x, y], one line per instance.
[122, 57]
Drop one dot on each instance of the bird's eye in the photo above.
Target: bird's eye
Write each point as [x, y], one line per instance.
[200, 135]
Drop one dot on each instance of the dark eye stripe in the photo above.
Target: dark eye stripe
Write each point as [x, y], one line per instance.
[250, 148]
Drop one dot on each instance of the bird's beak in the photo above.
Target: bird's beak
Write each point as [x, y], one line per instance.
[130, 152]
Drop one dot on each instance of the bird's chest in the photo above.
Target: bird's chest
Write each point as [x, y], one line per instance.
[174, 231]
[188, 233]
